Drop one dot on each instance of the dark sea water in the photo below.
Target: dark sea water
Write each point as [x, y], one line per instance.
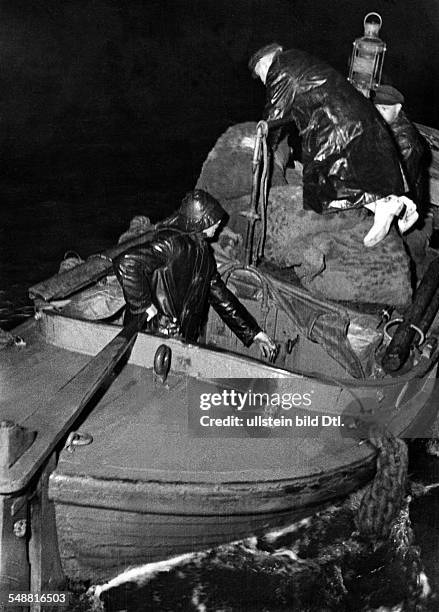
[36, 234]
[82, 198]
[39, 225]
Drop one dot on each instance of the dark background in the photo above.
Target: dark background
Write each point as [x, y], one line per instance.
[101, 96]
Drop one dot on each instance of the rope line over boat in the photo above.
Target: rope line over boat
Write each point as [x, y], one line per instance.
[259, 188]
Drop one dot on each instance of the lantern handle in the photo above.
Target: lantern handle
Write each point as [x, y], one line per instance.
[369, 15]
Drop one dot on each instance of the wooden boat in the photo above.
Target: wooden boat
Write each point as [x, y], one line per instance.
[146, 488]
[141, 485]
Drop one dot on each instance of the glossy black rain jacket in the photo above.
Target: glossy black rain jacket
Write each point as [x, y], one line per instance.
[347, 151]
[176, 271]
[413, 152]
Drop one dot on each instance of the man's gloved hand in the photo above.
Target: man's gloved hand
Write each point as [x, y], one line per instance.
[410, 215]
[385, 210]
[139, 315]
[267, 346]
[151, 312]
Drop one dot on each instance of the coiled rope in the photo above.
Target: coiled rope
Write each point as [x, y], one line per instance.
[383, 500]
[383, 513]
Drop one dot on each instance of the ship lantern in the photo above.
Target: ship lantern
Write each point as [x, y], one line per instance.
[367, 56]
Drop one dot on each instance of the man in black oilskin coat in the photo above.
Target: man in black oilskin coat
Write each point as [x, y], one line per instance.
[349, 159]
[410, 144]
[173, 277]
[413, 153]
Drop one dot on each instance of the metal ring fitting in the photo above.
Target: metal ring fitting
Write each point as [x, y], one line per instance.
[414, 327]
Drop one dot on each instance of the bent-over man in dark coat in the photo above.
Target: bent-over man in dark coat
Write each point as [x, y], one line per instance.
[173, 277]
[349, 159]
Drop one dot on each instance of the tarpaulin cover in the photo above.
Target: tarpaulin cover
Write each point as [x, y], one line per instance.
[347, 151]
[320, 323]
[316, 319]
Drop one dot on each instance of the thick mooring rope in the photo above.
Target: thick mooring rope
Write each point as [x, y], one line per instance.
[383, 514]
[383, 500]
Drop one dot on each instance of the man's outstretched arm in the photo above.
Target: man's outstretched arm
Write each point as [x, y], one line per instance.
[238, 319]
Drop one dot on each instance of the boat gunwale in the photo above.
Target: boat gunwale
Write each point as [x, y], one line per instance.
[236, 358]
[271, 496]
[336, 381]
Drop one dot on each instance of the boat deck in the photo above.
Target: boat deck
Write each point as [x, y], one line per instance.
[140, 427]
[146, 473]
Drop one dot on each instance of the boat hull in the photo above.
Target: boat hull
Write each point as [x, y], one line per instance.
[99, 543]
[148, 488]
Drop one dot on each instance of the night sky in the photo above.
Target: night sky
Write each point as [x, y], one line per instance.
[107, 95]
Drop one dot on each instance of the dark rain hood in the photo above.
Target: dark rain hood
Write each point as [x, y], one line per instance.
[198, 211]
[347, 151]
